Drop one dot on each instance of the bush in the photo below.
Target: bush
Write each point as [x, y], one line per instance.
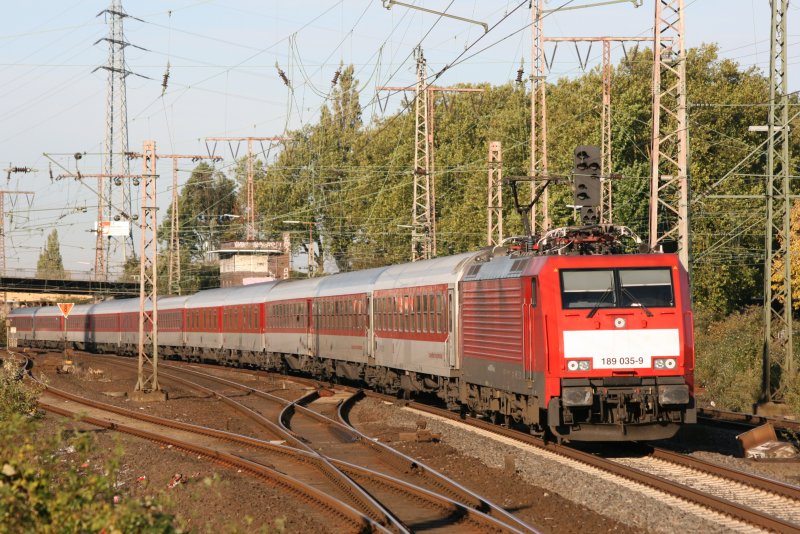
[47, 486]
[728, 353]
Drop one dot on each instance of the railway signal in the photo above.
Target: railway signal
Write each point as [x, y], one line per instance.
[586, 180]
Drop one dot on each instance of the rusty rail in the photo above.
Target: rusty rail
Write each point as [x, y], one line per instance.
[337, 510]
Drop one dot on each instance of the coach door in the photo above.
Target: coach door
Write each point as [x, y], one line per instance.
[529, 325]
[450, 344]
[312, 334]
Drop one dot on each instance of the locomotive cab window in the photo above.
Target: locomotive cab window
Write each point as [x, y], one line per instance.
[617, 288]
[646, 287]
[588, 289]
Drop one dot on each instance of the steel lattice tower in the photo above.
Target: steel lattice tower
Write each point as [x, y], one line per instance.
[669, 172]
[606, 189]
[538, 114]
[494, 211]
[115, 144]
[422, 228]
[147, 381]
[778, 267]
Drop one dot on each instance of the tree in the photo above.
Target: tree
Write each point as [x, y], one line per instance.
[354, 177]
[50, 265]
[208, 215]
[131, 269]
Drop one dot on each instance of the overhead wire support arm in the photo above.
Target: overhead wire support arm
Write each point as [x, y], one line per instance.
[174, 252]
[389, 3]
[251, 205]
[423, 226]
[636, 3]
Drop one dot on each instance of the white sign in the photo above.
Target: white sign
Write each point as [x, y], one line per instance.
[614, 349]
[113, 228]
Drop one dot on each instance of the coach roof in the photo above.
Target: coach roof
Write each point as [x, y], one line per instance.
[349, 283]
[249, 294]
[294, 289]
[446, 270]
[207, 298]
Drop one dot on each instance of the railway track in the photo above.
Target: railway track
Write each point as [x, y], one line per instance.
[324, 423]
[408, 507]
[209, 444]
[735, 504]
[415, 494]
[750, 499]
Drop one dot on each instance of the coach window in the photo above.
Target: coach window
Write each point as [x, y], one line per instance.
[426, 320]
[398, 310]
[449, 312]
[409, 301]
[431, 314]
[401, 314]
[417, 313]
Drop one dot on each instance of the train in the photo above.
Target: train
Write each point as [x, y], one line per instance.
[579, 345]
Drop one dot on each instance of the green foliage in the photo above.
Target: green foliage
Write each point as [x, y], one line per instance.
[15, 397]
[205, 208]
[50, 265]
[728, 353]
[208, 214]
[131, 269]
[46, 486]
[354, 176]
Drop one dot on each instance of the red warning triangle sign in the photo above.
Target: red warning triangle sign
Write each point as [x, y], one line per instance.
[65, 308]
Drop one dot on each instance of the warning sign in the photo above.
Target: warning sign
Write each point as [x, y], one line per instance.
[65, 308]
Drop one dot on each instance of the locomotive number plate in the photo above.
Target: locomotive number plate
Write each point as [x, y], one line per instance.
[620, 362]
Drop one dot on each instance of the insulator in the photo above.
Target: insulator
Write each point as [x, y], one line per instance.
[336, 77]
[136, 182]
[117, 181]
[282, 75]
[520, 72]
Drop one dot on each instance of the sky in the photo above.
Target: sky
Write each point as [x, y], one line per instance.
[223, 79]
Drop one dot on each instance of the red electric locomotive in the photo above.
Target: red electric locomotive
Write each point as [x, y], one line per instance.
[595, 347]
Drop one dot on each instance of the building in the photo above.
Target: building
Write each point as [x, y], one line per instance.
[249, 262]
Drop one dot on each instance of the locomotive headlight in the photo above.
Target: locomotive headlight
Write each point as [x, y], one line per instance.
[572, 365]
[665, 363]
[584, 365]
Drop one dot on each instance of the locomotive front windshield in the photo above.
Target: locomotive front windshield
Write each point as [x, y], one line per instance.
[616, 288]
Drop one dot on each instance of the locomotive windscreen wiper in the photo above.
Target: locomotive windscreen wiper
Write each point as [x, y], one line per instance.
[603, 297]
[636, 301]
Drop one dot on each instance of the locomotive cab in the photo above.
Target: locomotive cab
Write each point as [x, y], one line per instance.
[621, 358]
